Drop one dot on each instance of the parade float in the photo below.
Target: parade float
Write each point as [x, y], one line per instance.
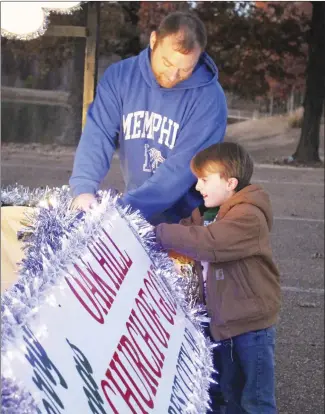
[96, 317]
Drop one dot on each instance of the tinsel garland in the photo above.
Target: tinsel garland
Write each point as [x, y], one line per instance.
[54, 236]
[18, 195]
[14, 400]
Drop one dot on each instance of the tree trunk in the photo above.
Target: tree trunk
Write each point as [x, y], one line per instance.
[307, 149]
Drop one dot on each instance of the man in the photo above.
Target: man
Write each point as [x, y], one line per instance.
[160, 107]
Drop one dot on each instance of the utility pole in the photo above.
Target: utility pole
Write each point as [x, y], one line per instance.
[91, 56]
[91, 33]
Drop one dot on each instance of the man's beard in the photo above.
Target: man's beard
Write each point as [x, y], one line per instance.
[164, 82]
[161, 78]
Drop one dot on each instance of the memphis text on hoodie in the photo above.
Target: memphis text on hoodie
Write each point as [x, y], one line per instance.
[149, 125]
[157, 131]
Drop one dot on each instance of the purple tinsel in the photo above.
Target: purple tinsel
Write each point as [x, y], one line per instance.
[14, 400]
[52, 239]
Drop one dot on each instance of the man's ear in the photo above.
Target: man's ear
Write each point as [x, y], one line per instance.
[232, 183]
[153, 40]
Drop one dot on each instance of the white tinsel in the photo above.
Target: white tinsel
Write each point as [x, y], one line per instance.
[56, 247]
[18, 195]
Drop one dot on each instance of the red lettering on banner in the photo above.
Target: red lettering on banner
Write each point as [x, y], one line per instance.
[166, 304]
[137, 364]
[105, 263]
[127, 261]
[97, 316]
[158, 356]
[98, 295]
[162, 286]
[132, 392]
[104, 384]
[140, 386]
[147, 309]
[106, 259]
[159, 302]
[104, 286]
[131, 350]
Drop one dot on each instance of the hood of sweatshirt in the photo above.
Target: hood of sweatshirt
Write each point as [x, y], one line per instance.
[158, 131]
[204, 73]
[252, 194]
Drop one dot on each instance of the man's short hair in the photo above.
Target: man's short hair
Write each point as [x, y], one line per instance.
[229, 159]
[190, 28]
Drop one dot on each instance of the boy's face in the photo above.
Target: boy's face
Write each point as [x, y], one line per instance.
[215, 190]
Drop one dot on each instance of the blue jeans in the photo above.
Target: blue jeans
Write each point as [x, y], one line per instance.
[247, 372]
[217, 402]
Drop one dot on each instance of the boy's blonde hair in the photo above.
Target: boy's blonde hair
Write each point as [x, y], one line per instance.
[228, 159]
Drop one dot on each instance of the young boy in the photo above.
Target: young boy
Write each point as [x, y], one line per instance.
[242, 291]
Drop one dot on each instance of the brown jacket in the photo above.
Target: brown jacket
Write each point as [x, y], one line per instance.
[243, 287]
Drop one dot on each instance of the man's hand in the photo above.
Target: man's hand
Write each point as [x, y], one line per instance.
[83, 202]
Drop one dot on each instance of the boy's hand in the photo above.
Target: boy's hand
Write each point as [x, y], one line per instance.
[83, 202]
[147, 229]
[180, 258]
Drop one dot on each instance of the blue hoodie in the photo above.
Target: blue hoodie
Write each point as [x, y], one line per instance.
[157, 130]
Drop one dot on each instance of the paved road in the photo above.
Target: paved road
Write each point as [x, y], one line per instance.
[298, 240]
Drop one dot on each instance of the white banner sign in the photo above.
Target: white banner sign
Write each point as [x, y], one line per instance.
[114, 340]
